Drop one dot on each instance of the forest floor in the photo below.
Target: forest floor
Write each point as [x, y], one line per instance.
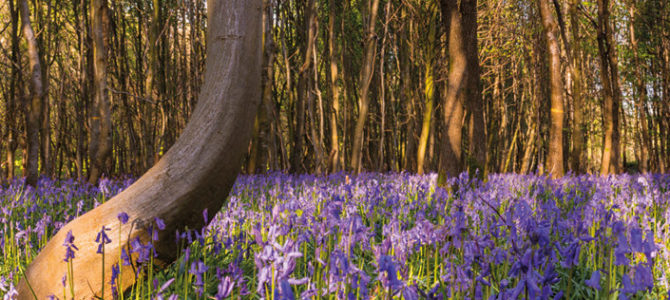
[379, 236]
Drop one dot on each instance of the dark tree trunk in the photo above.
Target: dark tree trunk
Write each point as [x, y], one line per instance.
[460, 22]
[578, 154]
[641, 89]
[15, 91]
[33, 103]
[473, 94]
[611, 93]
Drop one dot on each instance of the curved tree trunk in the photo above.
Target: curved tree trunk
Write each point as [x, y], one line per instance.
[367, 68]
[195, 174]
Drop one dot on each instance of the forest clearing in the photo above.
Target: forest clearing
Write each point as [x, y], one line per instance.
[325, 149]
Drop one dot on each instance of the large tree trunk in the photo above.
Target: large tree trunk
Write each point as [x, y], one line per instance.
[555, 153]
[33, 104]
[100, 146]
[195, 174]
[472, 95]
[367, 69]
[463, 86]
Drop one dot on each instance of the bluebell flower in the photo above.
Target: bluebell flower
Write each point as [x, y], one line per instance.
[125, 257]
[594, 281]
[159, 223]
[636, 239]
[410, 293]
[643, 280]
[198, 268]
[123, 217]
[225, 288]
[69, 246]
[115, 276]
[388, 266]
[285, 292]
[102, 239]
[628, 286]
[620, 254]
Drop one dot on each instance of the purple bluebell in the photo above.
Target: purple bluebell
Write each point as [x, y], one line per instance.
[123, 217]
[102, 239]
[594, 281]
[69, 246]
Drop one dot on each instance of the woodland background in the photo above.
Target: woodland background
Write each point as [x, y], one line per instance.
[347, 85]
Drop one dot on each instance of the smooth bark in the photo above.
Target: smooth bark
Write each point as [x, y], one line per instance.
[100, 145]
[195, 174]
[555, 151]
[453, 111]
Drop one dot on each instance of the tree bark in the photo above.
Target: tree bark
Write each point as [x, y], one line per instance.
[429, 93]
[463, 88]
[195, 174]
[473, 91]
[641, 87]
[578, 154]
[15, 90]
[334, 156]
[555, 151]
[611, 93]
[100, 144]
[33, 103]
[367, 70]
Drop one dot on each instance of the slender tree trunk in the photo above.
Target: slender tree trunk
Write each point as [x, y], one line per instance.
[407, 93]
[367, 70]
[195, 174]
[555, 152]
[641, 87]
[334, 157]
[578, 135]
[100, 145]
[33, 104]
[15, 91]
[429, 93]
[609, 74]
